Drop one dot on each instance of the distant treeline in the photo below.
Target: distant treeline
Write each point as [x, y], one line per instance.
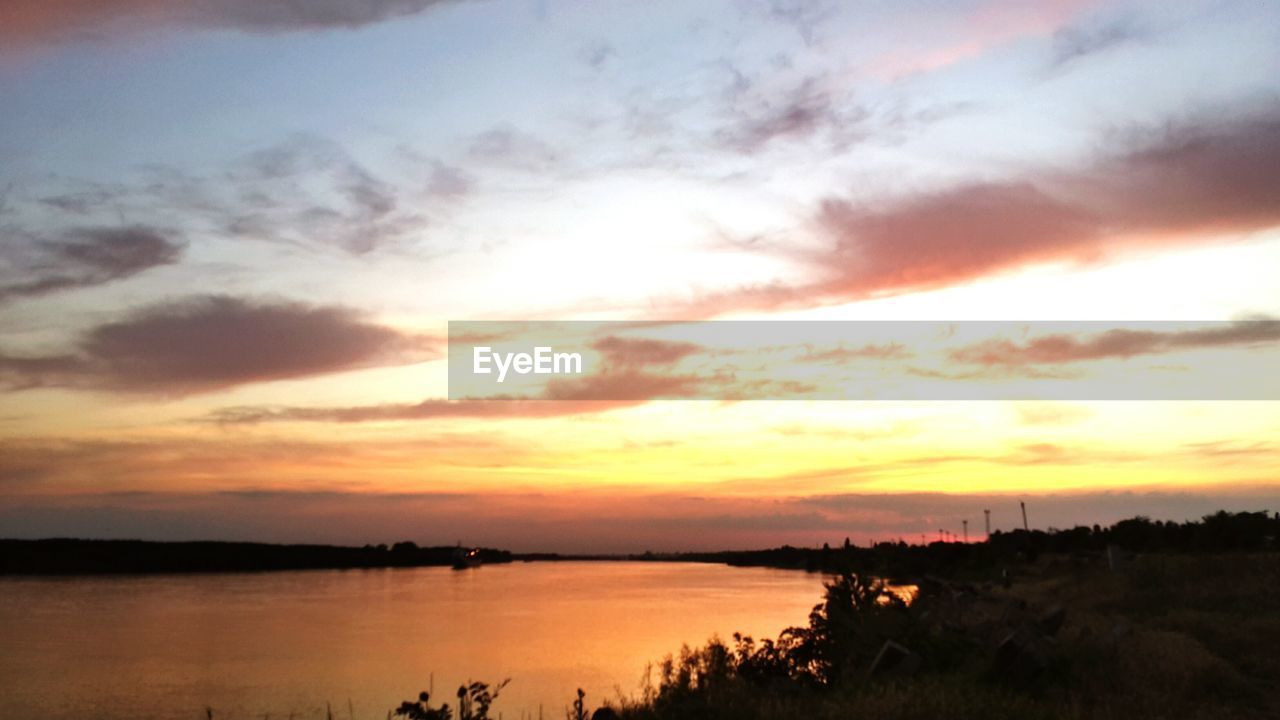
[75, 557]
[1217, 533]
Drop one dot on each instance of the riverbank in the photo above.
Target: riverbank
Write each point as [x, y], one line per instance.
[1163, 636]
[109, 557]
[1160, 636]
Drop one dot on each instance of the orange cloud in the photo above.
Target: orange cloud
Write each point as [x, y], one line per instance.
[1118, 343]
[1174, 187]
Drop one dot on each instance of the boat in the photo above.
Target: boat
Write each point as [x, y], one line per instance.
[464, 558]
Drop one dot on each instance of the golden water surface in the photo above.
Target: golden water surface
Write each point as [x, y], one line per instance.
[288, 643]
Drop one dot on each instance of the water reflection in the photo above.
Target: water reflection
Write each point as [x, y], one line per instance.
[282, 643]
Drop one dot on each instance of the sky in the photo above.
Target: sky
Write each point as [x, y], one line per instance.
[233, 234]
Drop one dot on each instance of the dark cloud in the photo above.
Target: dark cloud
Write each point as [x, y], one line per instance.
[1118, 343]
[26, 23]
[85, 257]
[25, 373]
[1219, 175]
[208, 343]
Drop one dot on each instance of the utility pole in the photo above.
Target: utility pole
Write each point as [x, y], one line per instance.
[1024, 516]
[988, 514]
[966, 531]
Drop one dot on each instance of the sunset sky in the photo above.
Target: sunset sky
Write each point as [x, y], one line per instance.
[233, 233]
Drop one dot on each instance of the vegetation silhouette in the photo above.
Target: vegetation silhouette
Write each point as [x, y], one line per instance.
[1028, 625]
[474, 701]
[81, 557]
[1221, 532]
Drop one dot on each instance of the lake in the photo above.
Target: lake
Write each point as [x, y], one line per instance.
[286, 643]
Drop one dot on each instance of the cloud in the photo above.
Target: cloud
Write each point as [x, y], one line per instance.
[1118, 343]
[563, 397]
[84, 199]
[1072, 43]
[304, 191]
[213, 342]
[625, 385]
[870, 351]
[1180, 185]
[425, 410]
[507, 147]
[623, 382]
[596, 55]
[84, 257]
[589, 518]
[960, 233]
[447, 181]
[806, 16]
[26, 23]
[1051, 413]
[308, 190]
[803, 112]
[623, 352]
[967, 31]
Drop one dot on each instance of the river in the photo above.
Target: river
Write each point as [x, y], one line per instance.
[297, 644]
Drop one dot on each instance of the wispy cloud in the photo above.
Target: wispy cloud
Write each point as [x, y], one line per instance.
[83, 257]
[805, 111]
[425, 410]
[1076, 42]
[511, 148]
[1118, 343]
[304, 191]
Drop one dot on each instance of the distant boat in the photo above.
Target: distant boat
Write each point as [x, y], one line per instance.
[464, 558]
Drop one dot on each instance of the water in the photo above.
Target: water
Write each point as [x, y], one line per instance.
[281, 644]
